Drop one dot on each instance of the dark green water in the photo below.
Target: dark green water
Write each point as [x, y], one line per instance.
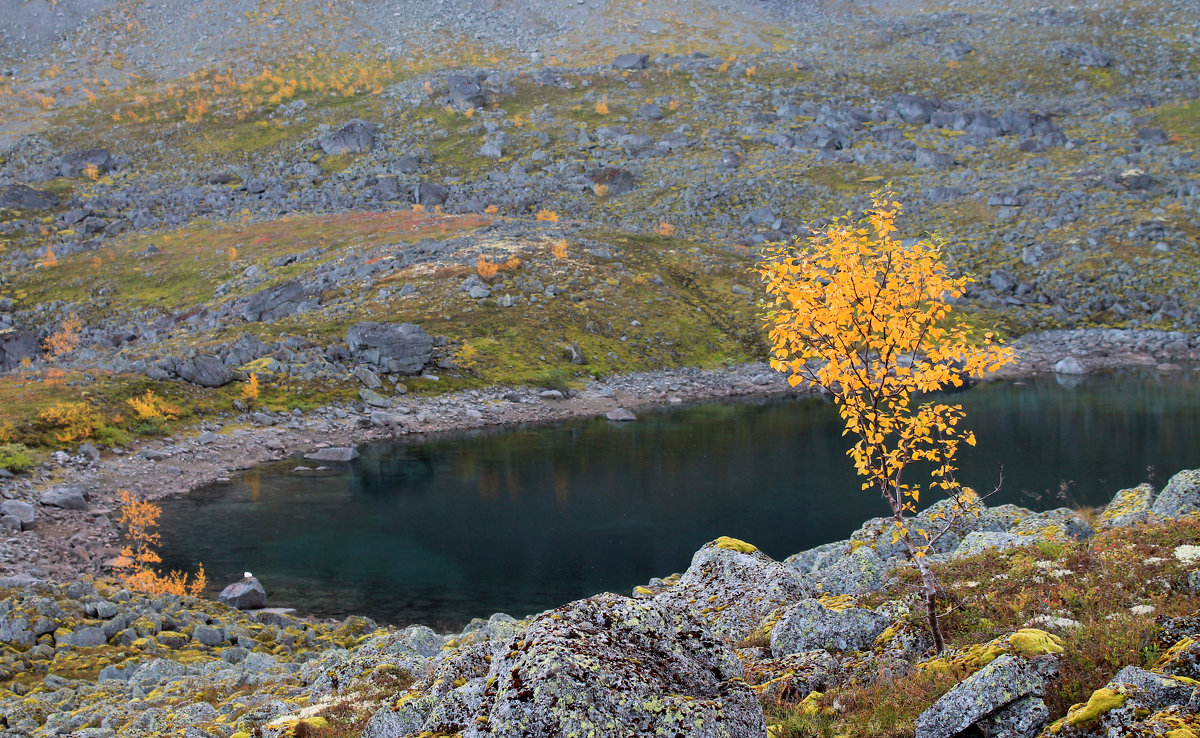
[522, 520]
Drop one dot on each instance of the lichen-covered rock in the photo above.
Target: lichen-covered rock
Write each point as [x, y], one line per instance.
[861, 571]
[879, 532]
[793, 677]
[405, 655]
[1181, 496]
[1022, 718]
[818, 557]
[1181, 659]
[1002, 518]
[1059, 524]
[985, 695]
[1128, 507]
[402, 717]
[731, 587]
[810, 625]
[610, 665]
[979, 541]
[1117, 707]
[1027, 642]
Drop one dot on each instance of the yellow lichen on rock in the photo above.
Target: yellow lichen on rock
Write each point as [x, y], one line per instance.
[1102, 701]
[1034, 642]
[837, 603]
[734, 544]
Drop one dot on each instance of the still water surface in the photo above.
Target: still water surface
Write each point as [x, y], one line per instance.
[524, 519]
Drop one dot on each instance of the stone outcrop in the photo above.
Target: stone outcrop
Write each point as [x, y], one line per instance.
[608, 665]
[731, 587]
[812, 625]
[393, 348]
[204, 370]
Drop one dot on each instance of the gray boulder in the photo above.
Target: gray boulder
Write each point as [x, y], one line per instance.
[16, 632]
[792, 677]
[631, 61]
[85, 637]
[1181, 496]
[16, 346]
[205, 370]
[75, 163]
[617, 180]
[66, 497]
[430, 194]
[810, 625]
[1126, 704]
[1060, 523]
[245, 349]
[1022, 718]
[356, 137]
[1070, 365]
[20, 511]
[818, 557]
[620, 414]
[980, 541]
[248, 594]
[609, 665]
[860, 571]
[274, 302]
[208, 635]
[337, 453]
[393, 348]
[1128, 507]
[986, 694]
[20, 197]
[465, 91]
[732, 587]
[386, 189]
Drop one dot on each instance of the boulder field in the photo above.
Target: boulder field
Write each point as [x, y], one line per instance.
[697, 654]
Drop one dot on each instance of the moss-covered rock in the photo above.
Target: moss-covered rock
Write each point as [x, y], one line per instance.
[732, 590]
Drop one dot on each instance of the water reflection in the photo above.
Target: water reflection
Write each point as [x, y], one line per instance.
[526, 519]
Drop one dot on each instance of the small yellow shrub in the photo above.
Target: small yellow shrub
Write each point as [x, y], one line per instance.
[250, 389]
[66, 338]
[71, 421]
[152, 407]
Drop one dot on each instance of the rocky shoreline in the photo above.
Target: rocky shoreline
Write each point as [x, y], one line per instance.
[73, 499]
[700, 653]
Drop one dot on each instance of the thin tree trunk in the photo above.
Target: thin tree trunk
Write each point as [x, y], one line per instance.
[929, 583]
[930, 586]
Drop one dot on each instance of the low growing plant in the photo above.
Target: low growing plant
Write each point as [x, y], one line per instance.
[15, 457]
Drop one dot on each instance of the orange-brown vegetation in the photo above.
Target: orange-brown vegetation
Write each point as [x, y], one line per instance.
[135, 566]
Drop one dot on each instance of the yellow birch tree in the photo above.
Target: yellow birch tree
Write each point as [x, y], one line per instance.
[866, 317]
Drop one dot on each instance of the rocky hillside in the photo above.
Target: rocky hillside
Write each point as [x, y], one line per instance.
[194, 192]
[1056, 629]
[228, 228]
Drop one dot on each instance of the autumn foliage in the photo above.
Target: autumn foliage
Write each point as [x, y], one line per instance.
[66, 338]
[152, 407]
[135, 566]
[488, 268]
[71, 422]
[250, 388]
[866, 317]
